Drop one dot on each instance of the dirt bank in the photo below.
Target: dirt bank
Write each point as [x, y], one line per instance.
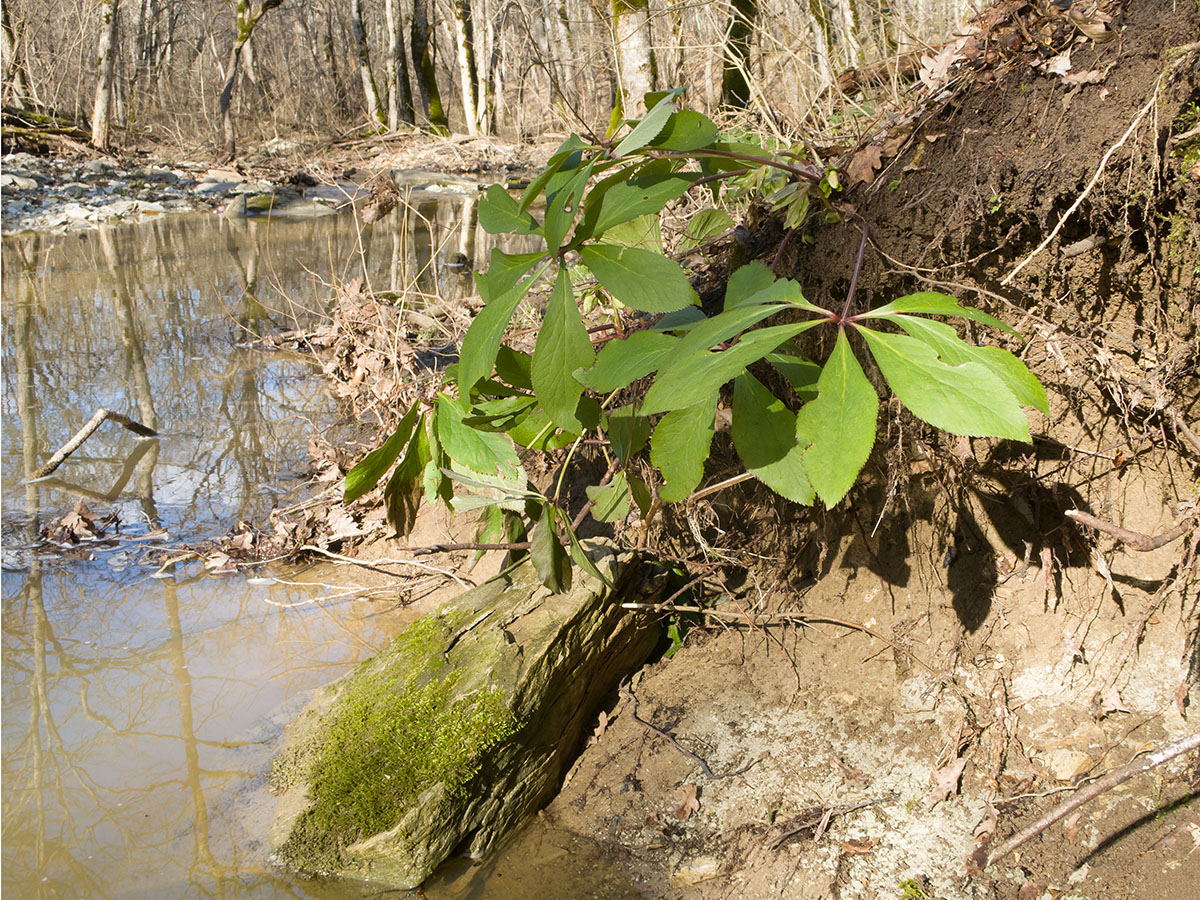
[997, 653]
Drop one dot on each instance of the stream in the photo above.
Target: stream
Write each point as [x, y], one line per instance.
[141, 706]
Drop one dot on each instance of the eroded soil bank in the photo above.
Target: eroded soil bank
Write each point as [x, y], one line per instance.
[997, 654]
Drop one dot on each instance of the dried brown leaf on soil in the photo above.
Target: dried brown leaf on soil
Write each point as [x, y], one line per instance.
[945, 782]
[857, 846]
[689, 803]
[862, 167]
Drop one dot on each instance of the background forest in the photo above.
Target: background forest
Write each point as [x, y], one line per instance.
[178, 71]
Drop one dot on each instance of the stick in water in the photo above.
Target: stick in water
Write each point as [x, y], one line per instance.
[86, 432]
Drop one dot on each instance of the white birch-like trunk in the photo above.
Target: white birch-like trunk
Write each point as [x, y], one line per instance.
[101, 109]
[464, 45]
[635, 53]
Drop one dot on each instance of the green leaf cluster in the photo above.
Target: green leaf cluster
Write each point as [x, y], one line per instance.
[602, 199]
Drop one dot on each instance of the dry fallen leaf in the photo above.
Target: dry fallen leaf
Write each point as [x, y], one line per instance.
[688, 803]
[1106, 702]
[945, 782]
[862, 167]
[601, 727]
[1091, 76]
[859, 845]
[1059, 65]
[1071, 827]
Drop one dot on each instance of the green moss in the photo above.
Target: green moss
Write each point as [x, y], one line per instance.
[397, 730]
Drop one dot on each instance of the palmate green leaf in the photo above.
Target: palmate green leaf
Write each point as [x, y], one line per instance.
[764, 434]
[514, 367]
[644, 232]
[647, 129]
[501, 290]
[562, 204]
[550, 560]
[627, 432]
[500, 214]
[624, 361]
[620, 198]
[490, 454]
[748, 281]
[680, 321]
[640, 491]
[801, 373]
[610, 503]
[501, 414]
[954, 350]
[680, 445]
[372, 467]
[580, 558]
[568, 155]
[703, 225]
[437, 485]
[935, 304]
[965, 399]
[639, 278]
[563, 347]
[402, 493]
[837, 429]
[706, 334]
[688, 379]
[489, 490]
[685, 130]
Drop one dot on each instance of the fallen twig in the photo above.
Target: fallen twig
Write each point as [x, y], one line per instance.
[820, 820]
[1134, 539]
[376, 565]
[627, 692]
[86, 432]
[468, 545]
[1108, 782]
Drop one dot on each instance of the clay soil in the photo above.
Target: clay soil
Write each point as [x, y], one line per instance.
[998, 655]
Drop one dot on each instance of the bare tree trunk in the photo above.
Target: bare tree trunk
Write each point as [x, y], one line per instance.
[101, 109]
[375, 108]
[464, 41]
[245, 21]
[399, 91]
[735, 86]
[424, 48]
[14, 65]
[636, 68]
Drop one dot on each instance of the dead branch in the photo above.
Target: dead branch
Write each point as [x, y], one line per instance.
[1134, 539]
[1181, 428]
[1108, 782]
[86, 432]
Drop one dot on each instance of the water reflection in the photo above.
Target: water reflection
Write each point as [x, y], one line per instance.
[137, 711]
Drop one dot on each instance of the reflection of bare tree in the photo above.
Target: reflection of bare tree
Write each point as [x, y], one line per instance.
[135, 361]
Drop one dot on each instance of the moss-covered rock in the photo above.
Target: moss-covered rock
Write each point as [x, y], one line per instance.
[458, 730]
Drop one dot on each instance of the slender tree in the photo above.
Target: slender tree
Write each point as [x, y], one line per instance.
[636, 67]
[474, 105]
[424, 48]
[735, 86]
[245, 21]
[370, 92]
[102, 107]
[399, 91]
[15, 77]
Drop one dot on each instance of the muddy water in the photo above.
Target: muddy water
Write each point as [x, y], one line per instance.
[139, 711]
